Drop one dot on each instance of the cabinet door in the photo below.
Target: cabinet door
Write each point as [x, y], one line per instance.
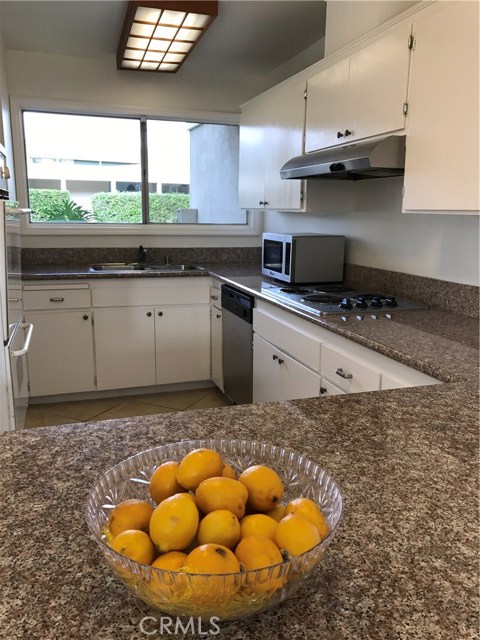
[182, 337]
[349, 374]
[216, 345]
[125, 347]
[328, 107]
[441, 165]
[60, 358]
[329, 389]
[276, 376]
[378, 84]
[251, 181]
[283, 140]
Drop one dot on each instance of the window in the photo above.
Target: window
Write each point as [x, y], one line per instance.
[87, 169]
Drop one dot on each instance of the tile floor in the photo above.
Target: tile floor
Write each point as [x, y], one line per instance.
[45, 415]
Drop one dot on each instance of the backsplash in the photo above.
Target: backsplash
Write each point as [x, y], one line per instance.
[191, 255]
[436, 294]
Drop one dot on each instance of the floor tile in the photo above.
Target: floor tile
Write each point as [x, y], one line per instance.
[175, 399]
[130, 409]
[81, 410]
[42, 416]
[210, 401]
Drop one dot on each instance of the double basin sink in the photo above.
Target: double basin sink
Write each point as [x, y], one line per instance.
[129, 267]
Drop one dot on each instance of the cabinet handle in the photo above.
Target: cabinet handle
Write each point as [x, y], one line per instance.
[85, 317]
[160, 313]
[149, 314]
[281, 361]
[322, 391]
[57, 299]
[339, 134]
[274, 357]
[13, 299]
[261, 202]
[346, 376]
[218, 315]
[347, 133]
[265, 202]
[214, 297]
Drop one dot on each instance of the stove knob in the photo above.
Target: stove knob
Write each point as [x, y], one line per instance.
[361, 303]
[376, 302]
[390, 301]
[345, 304]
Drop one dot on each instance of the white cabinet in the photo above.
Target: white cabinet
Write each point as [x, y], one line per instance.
[61, 354]
[151, 332]
[216, 336]
[60, 358]
[125, 347]
[182, 343]
[442, 155]
[271, 133]
[350, 374]
[277, 376]
[360, 96]
[329, 389]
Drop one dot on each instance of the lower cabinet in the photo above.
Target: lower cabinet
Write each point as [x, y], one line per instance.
[216, 337]
[145, 346]
[61, 356]
[277, 376]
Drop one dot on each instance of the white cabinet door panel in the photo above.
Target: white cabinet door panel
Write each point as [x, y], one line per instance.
[349, 374]
[216, 345]
[125, 347]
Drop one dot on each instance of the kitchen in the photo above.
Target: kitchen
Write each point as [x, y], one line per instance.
[435, 249]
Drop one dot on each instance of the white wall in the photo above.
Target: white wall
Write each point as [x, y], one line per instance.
[380, 236]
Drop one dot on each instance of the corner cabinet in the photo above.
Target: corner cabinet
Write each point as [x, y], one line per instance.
[442, 157]
[361, 96]
[271, 133]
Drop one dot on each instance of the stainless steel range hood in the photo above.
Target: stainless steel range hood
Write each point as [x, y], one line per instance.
[380, 158]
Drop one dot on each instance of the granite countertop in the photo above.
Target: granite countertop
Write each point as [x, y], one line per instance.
[404, 564]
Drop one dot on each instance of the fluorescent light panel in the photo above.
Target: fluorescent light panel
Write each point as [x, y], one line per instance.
[158, 36]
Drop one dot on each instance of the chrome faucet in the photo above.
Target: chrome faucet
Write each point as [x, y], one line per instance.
[142, 253]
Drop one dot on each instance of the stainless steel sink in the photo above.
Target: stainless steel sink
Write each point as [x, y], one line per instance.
[118, 267]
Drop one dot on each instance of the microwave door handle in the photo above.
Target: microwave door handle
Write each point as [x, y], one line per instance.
[20, 352]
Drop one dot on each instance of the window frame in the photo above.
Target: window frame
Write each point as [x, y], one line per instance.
[28, 228]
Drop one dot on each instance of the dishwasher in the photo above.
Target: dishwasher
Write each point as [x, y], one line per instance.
[237, 343]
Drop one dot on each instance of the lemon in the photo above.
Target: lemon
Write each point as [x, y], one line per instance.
[222, 493]
[130, 514]
[258, 552]
[265, 488]
[135, 545]
[257, 524]
[163, 482]
[219, 527]
[174, 523]
[296, 534]
[311, 511]
[198, 465]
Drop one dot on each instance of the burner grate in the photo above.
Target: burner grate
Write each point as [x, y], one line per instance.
[294, 290]
[322, 299]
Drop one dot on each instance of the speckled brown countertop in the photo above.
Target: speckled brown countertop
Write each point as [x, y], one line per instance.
[404, 564]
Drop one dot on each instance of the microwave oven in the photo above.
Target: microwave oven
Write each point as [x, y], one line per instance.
[303, 258]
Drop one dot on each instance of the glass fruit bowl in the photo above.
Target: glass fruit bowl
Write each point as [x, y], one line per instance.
[224, 596]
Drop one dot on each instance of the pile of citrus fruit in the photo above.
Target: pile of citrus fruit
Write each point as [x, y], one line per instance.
[209, 521]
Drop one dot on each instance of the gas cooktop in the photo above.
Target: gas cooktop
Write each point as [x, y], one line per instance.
[330, 299]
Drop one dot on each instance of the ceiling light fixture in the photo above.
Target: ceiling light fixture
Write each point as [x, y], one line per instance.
[158, 36]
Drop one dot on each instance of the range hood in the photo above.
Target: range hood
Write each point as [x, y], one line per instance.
[380, 158]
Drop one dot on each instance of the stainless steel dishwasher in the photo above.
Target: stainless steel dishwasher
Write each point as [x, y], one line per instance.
[237, 316]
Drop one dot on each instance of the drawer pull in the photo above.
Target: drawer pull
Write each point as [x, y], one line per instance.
[214, 297]
[14, 299]
[57, 299]
[346, 376]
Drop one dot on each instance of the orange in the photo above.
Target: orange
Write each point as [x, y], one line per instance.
[219, 527]
[222, 493]
[198, 465]
[311, 511]
[170, 561]
[265, 488]
[174, 523]
[257, 524]
[163, 482]
[130, 514]
[135, 545]
[257, 552]
[277, 512]
[296, 534]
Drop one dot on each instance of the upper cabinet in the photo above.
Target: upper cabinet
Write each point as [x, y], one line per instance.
[442, 164]
[361, 96]
[271, 132]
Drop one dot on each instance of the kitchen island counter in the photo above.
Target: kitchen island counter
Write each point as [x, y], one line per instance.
[404, 563]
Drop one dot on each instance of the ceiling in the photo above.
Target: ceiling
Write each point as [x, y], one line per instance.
[248, 36]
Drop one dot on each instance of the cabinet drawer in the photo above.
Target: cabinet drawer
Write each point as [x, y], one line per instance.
[138, 295]
[347, 373]
[303, 347]
[56, 299]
